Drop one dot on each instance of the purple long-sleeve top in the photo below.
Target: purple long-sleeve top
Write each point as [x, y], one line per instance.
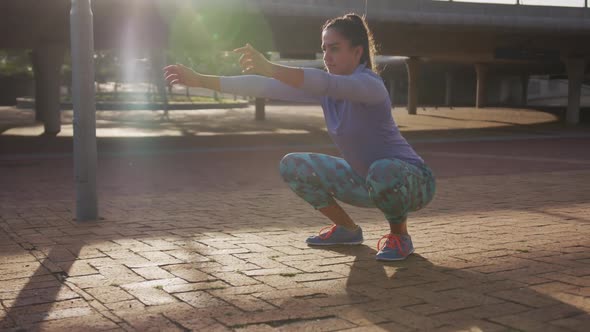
[357, 110]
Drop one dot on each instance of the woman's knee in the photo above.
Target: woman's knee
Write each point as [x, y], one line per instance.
[385, 171]
[289, 163]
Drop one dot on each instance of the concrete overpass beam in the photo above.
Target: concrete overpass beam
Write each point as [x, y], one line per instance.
[47, 62]
[575, 73]
[482, 73]
[413, 67]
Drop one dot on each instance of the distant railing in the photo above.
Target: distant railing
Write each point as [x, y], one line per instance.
[561, 3]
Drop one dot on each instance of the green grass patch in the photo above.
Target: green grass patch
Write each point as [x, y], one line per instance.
[288, 275]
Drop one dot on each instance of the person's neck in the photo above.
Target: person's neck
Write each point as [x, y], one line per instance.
[350, 71]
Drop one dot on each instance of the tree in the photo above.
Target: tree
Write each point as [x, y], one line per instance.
[16, 63]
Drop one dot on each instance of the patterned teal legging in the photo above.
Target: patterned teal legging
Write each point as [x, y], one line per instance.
[393, 186]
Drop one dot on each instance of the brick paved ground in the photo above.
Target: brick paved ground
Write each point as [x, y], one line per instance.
[200, 238]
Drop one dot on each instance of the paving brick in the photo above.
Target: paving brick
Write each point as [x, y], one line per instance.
[474, 325]
[21, 270]
[337, 300]
[198, 324]
[200, 299]
[119, 274]
[160, 244]
[151, 296]
[576, 323]
[152, 272]
[525, 324]
[17, 258]
[187, 256]
[129, 305]
[358, 316]
[188, 273]
[480, 312]
[309, 266]
[250, 289]
[277, 315]
[381, 327]
[159, 283]
[264, 272]
[5, 321]
[160, 258]
[568, 279]
[16, 285]
[36, 296]
[409, 319]
[77, 268]
[280, 281]
[152, 322]
[132, 244]
[109, 294]
[96, 322]
[580, 302]
[322, 324]
[526, 297]
[231, 264]
[59, 254]
[235, 279]
[37, 312]
[245, 302]
[93, 280]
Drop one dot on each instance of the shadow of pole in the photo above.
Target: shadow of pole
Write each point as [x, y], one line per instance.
[43, 289]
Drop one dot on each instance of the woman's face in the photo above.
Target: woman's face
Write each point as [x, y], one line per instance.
[339, 57]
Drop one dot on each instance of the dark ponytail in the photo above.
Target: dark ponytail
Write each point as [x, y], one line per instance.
[355, 29]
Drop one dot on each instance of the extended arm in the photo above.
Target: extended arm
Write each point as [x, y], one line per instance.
[358, 87]
[246, 85]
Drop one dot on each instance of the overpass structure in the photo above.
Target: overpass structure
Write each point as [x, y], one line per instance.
[491, 38]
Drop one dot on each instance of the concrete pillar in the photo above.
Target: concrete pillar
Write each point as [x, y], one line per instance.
[260, 105]
[524, 81]
[575, 73]
[35, 58]
[449, 89]
[505, 90]
[47, 62]
[482, 73]
[413, 67]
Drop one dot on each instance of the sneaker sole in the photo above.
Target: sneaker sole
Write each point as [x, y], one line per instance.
[334, 244]
[394, 259]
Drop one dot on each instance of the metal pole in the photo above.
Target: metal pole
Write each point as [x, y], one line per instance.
[82, 48]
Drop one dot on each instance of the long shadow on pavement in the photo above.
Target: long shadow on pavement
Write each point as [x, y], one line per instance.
[416, 294]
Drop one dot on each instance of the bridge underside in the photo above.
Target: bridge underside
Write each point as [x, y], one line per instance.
[44, 27]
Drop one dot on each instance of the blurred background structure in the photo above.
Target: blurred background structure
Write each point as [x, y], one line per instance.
[433, 53]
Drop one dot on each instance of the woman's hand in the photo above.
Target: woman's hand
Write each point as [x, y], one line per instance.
[179, 74]
[253, 62]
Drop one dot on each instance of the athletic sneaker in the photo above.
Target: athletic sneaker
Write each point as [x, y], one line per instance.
[336, 235]
[395, 248]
